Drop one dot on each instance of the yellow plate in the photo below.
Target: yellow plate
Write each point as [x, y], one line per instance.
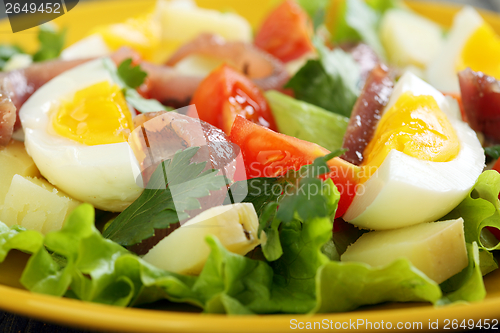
[170, 317]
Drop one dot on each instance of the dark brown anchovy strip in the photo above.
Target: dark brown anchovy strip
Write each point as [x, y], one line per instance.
[366, 113]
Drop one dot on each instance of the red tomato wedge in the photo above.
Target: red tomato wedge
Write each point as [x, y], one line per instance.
[270, 154]
[226, 93]
[286, 32]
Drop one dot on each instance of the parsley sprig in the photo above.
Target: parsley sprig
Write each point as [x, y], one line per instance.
[51, 42]
[129, 77]
[173, 190]
[304, 196]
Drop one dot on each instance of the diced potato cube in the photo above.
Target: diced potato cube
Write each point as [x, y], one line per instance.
[182, 21]
[14, 160]
[234, 225]
[35, 204]
[410, 39]
[437, 249]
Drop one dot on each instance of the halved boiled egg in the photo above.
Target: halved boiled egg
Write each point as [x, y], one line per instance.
[472, 43]
[420, 164]
[76, 128]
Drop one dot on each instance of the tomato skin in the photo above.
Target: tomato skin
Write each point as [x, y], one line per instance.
[226, 93]
[286, 32]
[270, 154]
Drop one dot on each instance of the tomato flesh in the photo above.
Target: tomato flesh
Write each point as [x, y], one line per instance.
[270, 154]
[286, 32]
[226, 93]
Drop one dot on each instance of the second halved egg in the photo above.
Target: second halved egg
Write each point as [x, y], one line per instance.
[421, 163]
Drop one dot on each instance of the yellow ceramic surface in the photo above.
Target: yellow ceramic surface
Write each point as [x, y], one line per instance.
[168, 317]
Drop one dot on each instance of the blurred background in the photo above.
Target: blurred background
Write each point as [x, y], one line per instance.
[485, 4]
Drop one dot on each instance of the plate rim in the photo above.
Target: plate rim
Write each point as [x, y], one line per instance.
[88, 315]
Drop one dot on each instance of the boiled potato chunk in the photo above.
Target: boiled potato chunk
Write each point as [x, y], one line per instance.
[182, 20]
[198, 65]
[14, 160]
[185, 250]
[36, 205]
[409, 39]
[437, 249]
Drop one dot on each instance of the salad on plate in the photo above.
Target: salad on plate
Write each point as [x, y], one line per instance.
[344, 153]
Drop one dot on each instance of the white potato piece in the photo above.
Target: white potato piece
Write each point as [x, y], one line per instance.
[198, 65]
[18, 61]
[92, 46]
[183, 20]
[437, 248]
[410, 39]
[36, 205]
[14, 160]
[185, 250]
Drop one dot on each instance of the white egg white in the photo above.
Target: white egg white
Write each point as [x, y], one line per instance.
[405, 190]
[102, 174]
[441, 71]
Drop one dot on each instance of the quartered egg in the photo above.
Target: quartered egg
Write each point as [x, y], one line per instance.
[76, 128]
[472, 43]
[420, 164]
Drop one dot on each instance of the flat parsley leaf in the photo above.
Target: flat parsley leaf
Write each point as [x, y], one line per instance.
[493, 151]
[51, 43]
[128, 78]
[133, 76]
[172, 190]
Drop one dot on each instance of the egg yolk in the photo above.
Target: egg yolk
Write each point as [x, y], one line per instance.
[416, 126]
[96, 115]
[481, 52]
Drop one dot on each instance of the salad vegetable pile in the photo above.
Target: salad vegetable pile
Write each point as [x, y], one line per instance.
[345, 154]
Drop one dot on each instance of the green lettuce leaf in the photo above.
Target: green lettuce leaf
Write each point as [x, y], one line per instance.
[330, 82]
[234, 284]
[480, 209]
[384, 5]
[307, 121]
[358, 22]
[468, 285]
[18, 238]
[312, 7]
[79, 259]
[347, 286]
[78, 262]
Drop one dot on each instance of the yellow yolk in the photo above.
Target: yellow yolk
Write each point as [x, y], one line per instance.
[481, 52]
[416, 126]
[97, 115]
